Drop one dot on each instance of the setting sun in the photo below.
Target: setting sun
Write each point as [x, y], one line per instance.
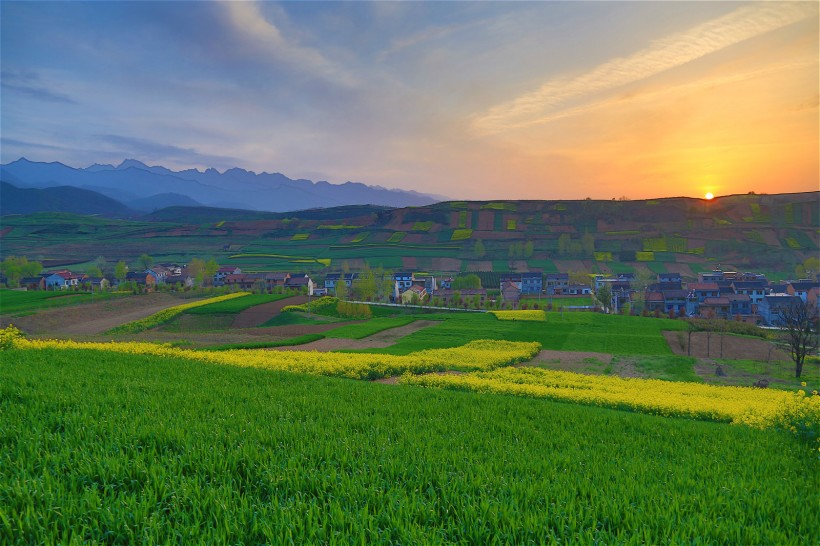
[709, 196]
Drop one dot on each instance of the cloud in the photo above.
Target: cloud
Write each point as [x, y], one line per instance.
[156, 151]
[670, 52]
[248, 19]
[31, 85]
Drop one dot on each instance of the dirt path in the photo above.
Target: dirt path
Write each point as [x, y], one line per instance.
[260, 314]
[379, 340]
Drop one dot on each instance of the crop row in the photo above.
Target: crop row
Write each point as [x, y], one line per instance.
[759, 408]
[532, 315]
[235, 305]
[167, 314]
[476, 355]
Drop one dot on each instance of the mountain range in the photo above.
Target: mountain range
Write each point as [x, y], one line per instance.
[138, 187]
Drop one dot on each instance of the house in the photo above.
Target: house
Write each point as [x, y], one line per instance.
[449, 296]
[141, 278]
[771, 305]
[61, 280]
[754, 289]
[332, 279]
[670, 278]
[159, 272]
[710, 276]
[532, 283]
[300, 281]
[514, 278]
[675, 301]
[181, 280]
[702, 290]
[244, 281]
[33, 283]
[415, 294]
[710, 308]
[511, 293]
[224, 271]
[804, 289]
[445, 283]
[653, 302]
[739, 304]
[96, 283]
[577, 290]
[554, 283]
[276, 279]
[428, 281]
[404, 280]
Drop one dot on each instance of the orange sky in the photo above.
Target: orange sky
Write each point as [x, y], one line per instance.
[469, 100]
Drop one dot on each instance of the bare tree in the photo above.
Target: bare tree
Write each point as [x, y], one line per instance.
[799, 322]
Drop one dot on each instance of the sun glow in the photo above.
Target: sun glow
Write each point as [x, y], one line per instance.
[709, 196]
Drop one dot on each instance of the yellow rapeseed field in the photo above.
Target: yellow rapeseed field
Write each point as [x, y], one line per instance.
[476, 355]
[758, 408]
[526, 314]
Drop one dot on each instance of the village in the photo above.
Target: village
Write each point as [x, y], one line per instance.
[728, 295]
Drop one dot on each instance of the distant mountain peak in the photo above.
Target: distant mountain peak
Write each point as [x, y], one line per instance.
[129, 163]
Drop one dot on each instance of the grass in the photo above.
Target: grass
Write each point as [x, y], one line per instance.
[669, 368]
[568, 332]
[298, 340]
[237, 305]
[289, 318]
[15, 302]
[368, 328]
[132, 449]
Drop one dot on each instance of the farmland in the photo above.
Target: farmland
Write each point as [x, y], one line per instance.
[103, 447]
[203, 417]
[768, 233]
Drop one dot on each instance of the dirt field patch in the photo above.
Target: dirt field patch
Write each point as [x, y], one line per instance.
[260, 314]
[95, 318]
[714, 345]
[379, 340]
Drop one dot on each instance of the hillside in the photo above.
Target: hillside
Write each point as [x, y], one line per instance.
[767, 233]
[59, 199]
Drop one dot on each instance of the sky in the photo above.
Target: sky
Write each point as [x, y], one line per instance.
[468, 100]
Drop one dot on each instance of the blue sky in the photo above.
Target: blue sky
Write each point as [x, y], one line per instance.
[473, 100]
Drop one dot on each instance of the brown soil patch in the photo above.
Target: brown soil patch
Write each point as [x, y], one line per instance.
[94, 318]
[379, 340]
[409, 262]
[571, 357]
[483, 265]
[446, 264]
[714, 345]
[260, 314]
[486, 220]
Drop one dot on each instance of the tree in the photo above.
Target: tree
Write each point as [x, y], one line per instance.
[196, 269]
[462, 282]
[807, 268]
[341, 289]
[146, 261]
[799, 322]
[528, 249]
[478, 249]
[94, 271]
[211, 267]
[604, 296]
[120, 271]
[365, 287]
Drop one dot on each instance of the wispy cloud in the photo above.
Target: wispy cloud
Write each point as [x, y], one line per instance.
[670, 52]
[139, 148]
[32, 85]
[248, 19]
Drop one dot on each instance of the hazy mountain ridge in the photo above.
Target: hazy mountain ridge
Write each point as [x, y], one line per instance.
[234, 188]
